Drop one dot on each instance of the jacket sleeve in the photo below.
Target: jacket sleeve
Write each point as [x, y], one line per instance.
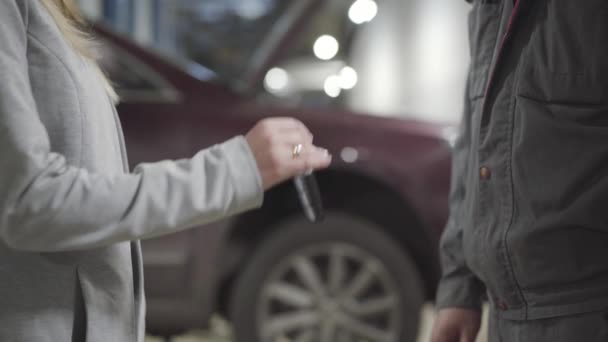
[48, 205]
[458, 286]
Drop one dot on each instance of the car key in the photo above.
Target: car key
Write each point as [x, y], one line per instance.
[310, 196]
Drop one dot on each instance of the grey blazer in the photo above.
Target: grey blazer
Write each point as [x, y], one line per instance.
[68, 208]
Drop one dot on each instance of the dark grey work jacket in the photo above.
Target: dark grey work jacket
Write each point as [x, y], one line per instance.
[529, 201]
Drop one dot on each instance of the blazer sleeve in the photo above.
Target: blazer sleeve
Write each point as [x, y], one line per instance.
[458, 286]
[48, 205]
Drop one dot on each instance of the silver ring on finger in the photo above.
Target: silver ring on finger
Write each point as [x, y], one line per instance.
[297, 150]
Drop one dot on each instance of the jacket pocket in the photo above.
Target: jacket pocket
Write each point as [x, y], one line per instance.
[483, 34]
[559, 236]
[572, 98]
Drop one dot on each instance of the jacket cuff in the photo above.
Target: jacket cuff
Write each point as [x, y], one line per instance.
[244, 173]
[465, 291]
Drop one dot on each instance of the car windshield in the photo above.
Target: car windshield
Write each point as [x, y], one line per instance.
[224, 34]
[220, 35]
[381, 57]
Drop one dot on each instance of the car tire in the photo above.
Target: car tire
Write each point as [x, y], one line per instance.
[287, 292]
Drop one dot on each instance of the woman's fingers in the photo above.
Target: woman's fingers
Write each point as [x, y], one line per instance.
[295, 159]
[311, 158]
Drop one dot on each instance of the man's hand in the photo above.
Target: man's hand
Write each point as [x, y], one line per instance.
[274, 143]
[456, 325]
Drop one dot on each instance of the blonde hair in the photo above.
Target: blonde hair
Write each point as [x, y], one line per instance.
[71, 23]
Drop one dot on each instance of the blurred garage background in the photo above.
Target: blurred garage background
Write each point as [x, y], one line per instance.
[410, 55]
[379, 82]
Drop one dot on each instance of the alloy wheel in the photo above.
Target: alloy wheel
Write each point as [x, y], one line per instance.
[329, 292]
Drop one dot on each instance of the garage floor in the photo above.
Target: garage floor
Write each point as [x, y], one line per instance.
[221, 330]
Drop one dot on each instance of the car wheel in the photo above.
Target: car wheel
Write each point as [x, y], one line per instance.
[341, 280]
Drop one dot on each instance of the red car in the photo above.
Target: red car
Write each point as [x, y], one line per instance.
[360, 275]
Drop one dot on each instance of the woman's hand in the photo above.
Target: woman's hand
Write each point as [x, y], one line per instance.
[283, 148]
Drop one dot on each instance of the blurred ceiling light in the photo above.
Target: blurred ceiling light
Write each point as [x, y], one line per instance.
[349, 154]
[276, 80]
[362, 11]
[332, 86]
[251, 9]
[326, 47]
[348, 78]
